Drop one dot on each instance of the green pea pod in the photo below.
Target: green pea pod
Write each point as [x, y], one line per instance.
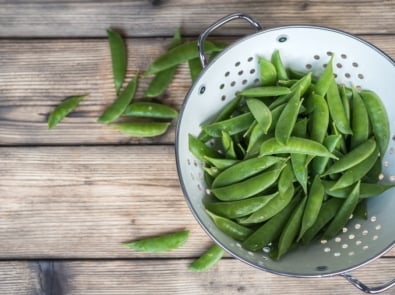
[267, 72]
[345, 101]
[278, 64]
[162, 243]
[241, 208]
[247, 188]
[212, 171]
[356, 173]
[161, 81]
[221, 163]
[324, 81]
[224, 114]
[116, 109]
[265, 91]
[291, 229]
[150, 110]
[179, 54]
[336, 109]
[299, 161]
[359, 120]
[118, 58]
[228, 146]
[141, 129]
[232, 126]
[378, 118]
[319, 164]
[195, 68]
[343, 215]
[295, 145]
[313, 205]
[63, 109]
[286, 193]
[327, 212]
[200, 150]
[319, 117]
[354, 157]
[261, 113]
[270, 231]
[361, 211]
[287, 119]
[367, 190]
[245, 169]
[208, 259]
[230, 228]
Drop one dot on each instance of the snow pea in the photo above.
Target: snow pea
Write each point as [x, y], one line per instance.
[150, 110]
[118, 58]
[323, 83]
[247, 188]
[336, 109]
[291, 229]
[268, 74]
[287, 119]
[354, 157]
[116, 109]
[265, 91]
[327, 212]
[295, 145]
[162, 243]
[359, 120]
[245, 169]
[141, 129]
[231, 126]
[179, 54]
[229, 227]
[285, 194]
[220, 163]
[63, 109]
[355, 173]
[314, 201]
[208, 259]
[367, 190]
[162, 79]
[241, 208]
[378, 118]
[343, 215]
[278, 64]
[200, 150]
[261, 113]
[270, 230]
[319, 117]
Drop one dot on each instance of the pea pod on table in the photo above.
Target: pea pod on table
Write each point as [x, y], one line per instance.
[141, 129]
[208, 259]
[118, 58]
[63, 109]
[150, 110]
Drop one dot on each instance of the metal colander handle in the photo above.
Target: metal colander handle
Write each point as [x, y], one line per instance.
[366, 289]
[216, 25]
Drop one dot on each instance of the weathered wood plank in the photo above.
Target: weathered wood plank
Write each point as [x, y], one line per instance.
[171, 276]
[83, 202]
[37, 74]
[140, 18]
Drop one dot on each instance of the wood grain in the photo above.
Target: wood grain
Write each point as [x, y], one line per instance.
[36, 75]
[141, 18]
[171, 276]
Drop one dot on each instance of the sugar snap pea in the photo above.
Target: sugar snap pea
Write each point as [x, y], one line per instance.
[150, 110]
[359, 120]
[325, 79]
[63, 109]
[208, 259]
[299, 161]
[279, 66]
[162, 79]
[361, 211]
[231, 126]
[265, 91]
[342, 216]
[141, 129]
[228, 146]
[179, 54]
[220, 163]
[367, 190]
[378, 118]
[248, 187]
[229, 227]
[116, 109]
[200, 150]
[319, 117]
[118, 58]
[268, 73]
[261, 113]
[195, 67]
[240, 208]
[161, 243]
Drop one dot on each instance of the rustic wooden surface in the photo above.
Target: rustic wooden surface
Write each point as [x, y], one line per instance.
[70, 196]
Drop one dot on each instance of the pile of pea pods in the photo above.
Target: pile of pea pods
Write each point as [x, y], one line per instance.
[290, 160]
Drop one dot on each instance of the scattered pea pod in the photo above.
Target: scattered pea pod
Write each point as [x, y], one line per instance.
[150, 110]
[63, 109]
[118, 58]
[208, 259]
[141, 129]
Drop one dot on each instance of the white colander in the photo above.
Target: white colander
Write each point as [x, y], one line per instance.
[301, 48]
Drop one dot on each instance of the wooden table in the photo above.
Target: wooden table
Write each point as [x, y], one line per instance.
[71, 196]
